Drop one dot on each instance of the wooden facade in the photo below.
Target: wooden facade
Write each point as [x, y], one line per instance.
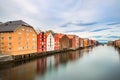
[17, 38]
[86, 42]
[64, 42]
[41, 42]
[72, 41]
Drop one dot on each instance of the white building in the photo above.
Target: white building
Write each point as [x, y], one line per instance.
[81, 43]
[77, 41]
[50, 42]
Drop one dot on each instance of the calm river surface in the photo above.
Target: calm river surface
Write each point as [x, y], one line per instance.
[94, 63]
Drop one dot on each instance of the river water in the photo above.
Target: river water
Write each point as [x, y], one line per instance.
[94, 63]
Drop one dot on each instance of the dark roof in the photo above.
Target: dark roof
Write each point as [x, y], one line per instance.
[0, 22]
[11, 26]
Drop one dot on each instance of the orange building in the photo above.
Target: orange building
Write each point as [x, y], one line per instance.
[86, 42]
[17, 37]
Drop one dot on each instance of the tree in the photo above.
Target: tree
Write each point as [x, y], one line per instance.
[50, 31]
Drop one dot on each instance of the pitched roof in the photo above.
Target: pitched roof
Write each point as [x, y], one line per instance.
[58, 35]
[70, 36]
[0, 23]
[47, 34]
[11, 26]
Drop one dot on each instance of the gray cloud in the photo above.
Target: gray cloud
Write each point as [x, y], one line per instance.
[97, 36]
[113, 37]
[116, 23]
[79, 24]
[102, 29]
[75, 31]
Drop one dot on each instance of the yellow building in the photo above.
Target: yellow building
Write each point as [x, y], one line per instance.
[86, 42]
[17, 37]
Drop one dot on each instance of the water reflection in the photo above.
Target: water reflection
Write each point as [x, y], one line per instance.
[51, 65]
[118, 50]
[96, 63]
[22, 72]
[53, 62]
[41, 66]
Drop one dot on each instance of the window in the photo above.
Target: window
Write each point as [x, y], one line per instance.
[33, 34]
[33, 39]
[50, 42]
[19, 33]
[2, 49]
[2, 38]
[19, 48]
[19, 43]
[33, 47]
[42, 36]
[9, 38]
[19, 38]
[10, 44]
[9, 49]
[2, 44]
[42, 39]
[27, 47]
[42, 43]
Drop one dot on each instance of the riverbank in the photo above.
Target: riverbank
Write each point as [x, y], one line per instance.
[31, 56]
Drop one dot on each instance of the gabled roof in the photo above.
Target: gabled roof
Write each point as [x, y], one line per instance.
[47, 34]
[70, 36]
[58, 35]
[11, 26]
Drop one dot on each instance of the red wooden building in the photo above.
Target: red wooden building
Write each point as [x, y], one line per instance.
[72, 41]
[61, 41]
[41, 42]
[57, 37]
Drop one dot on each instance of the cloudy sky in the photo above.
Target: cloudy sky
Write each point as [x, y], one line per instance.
[95, 19]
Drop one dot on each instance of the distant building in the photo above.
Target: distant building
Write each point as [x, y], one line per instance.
[17, 37]
[72, 41]
[57, 41]
[41, 42]
[77, 42]
[90, 42]
[0, 23]
[50, 41]
[116, 43]
[61, 41]
[64, 42]
[86, 42]
[81, 42]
